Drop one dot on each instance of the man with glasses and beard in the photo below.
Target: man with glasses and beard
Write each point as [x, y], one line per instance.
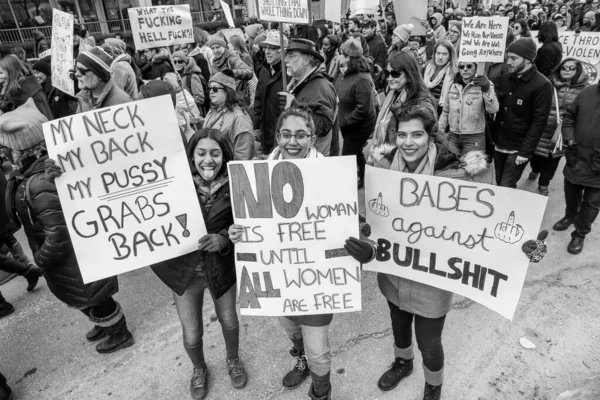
[525, 97]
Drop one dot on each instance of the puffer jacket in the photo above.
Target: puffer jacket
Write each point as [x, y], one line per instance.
[112, 95]
[124, 76]
[566, 94]
[465, 107]
[40, 212]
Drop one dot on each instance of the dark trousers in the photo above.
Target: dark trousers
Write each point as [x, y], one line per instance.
[13, 266]
[583, 204]
[508, 172]
[353, 145]
[4, 388]
[428, 332]
[102, 310]
[546, 167]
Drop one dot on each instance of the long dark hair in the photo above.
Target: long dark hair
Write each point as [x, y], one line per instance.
[406, 61]
[555, 75]
[217, 136]
[357, 64]
[524, 27]
[548, 32]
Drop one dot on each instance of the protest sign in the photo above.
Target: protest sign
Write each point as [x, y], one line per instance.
[483, 39]
[232, 32]
[127, 190]
[584, 46]
[290, 11]
[227, 12]
[62, 51]
[333, 10]
[45, 53]
[161, 26]
[459, 236]
[366, 7]
[411, 12]
[297, 215]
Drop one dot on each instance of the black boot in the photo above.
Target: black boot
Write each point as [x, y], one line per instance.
[312, 395]
[199, 383]
[6, 308]
[432, 392]
[299, 372]
[33, 276]
[6, 393]
[399, 369]
[576, 245]
[563, 224]
[119, 338]
[96, 333]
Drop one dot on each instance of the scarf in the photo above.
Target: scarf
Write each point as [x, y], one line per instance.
[431, 81]
[276, 154]
[206, 190]
[386, 114]
[425, 167]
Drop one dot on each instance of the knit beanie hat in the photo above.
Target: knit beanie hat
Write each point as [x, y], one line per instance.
[260, 38]
[449, 10]
[179, 54]
[88, 43]
[157, 88]
[404, 31]
[118, 46]
[226, 81]
[21, 129]
[97, 61]
[524, 47]
[43, 65]
[352, 48]
[216, 40]
[254, 30]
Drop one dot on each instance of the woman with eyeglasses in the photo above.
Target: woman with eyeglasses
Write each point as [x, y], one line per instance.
[191, 78]
[356, 95]
[212, 267]
[440, 71]
[568, 79]
[469, 98]
[228, 115]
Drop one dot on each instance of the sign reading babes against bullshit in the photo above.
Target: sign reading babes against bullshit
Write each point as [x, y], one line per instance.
[126, 191]
[463, 237]
[296, 215]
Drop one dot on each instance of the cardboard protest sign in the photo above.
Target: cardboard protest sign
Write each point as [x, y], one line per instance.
[127, 190]
[463, 237]
[333, 10]
[411, 12]
[290, 11]
[227, 12]
[62, 51]
[366, 7]
[483, 39]
[584, 46]
[297, 215]
[161, 26]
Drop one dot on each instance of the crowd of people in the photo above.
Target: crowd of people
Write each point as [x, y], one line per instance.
[367, 88]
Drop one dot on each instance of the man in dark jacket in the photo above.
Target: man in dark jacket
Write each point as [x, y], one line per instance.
[270, 82]
[525, 98]
[582, 171]
[158, 62]
[390, 22]
[377, 48]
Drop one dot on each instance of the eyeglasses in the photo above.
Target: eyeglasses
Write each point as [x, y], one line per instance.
[568, 68]
[465, 66]
[82, 71]
[392, 74]
[300, 137]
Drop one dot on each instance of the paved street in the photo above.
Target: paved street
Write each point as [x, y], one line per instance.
[44, 354]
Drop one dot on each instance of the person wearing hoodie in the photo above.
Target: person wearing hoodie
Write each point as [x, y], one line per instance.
[191, 78]
[158, 62]
[61, 104]
[436, 24]
[41, 44]
[122, 74]
[187, 112]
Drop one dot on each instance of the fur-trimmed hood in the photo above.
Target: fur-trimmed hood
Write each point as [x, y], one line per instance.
[161, 55]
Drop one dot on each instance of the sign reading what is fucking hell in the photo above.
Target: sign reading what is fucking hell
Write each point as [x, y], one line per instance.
[463, 237]
[126, 191]
[161, 26]
[296, 215]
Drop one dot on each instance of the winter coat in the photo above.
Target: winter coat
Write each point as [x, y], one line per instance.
[266, 103]
[580, 124]
[29, 88]
[185, 111]
[40, 212]
[124, 76]
[229, 60]
[201, 62]
[356, 105]
[525, 102]
[160, 64]
[377, 50]
[112, 95]
[318, 94]
[548, 57]
[61, 104]
[219, 266]
[236, 124]
[8, 225]
[566, 94]
[190, 77]
[465, 108]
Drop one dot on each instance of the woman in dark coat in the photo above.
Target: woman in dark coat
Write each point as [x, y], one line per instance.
[212, 266]
[33, 199]
[550, 54]
[61, 104]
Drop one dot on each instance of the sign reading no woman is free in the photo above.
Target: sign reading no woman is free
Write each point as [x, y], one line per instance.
[459, 236]
[161, 26]
[297, 216]
[483, 39]
[126, 191]
[290, 11]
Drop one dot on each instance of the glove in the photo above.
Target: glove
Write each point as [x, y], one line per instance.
[72, 74]
[483, 81]
[228, 72]
[53, 170]
[361, 250]
[212, 242]
[536, 249]
[286, 100]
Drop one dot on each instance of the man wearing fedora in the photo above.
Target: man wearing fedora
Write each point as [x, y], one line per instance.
[310, 87]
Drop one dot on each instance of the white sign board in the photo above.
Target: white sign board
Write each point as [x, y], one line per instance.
[460, 236]
[290, 11]
[126, 191]
[333, 10]
[366, 7]
[161, 26]
[411, 12]
[228, 15]
[62, 51]
[483, 39]
[297, 215]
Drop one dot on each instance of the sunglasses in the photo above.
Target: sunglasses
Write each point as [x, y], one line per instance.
[392, 74]
[82, 71]
[568, 68]
[178, 62]
[215, 89]
[465, 66]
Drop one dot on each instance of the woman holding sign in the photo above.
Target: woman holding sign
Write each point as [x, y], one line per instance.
[212, 267]
[417, 152]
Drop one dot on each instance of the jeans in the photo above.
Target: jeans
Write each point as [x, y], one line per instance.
[13, 266]
[189, 308]
[428, 332]
[583, 204]
[546, 167]
[468, 142]
[313, 341]
[508, 172]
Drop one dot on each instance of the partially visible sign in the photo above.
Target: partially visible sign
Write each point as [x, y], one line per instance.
[161, 26]
[62, 51]
[333, 10]
[411, 12]
[483, 39]
[232, 32]
[227, 12]
[365, 7]
[289, 11]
